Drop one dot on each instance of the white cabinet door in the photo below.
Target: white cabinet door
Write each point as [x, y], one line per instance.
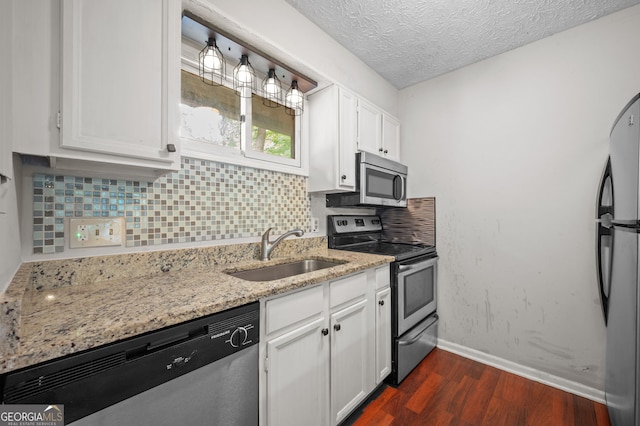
[349, 366]
[297, 376]
[383, 334]
[369, 127]
[348, 143]
[6, 167]
[120, 78]
[333, 135]
[390, 137]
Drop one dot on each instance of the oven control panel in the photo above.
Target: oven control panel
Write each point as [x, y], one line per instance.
[348, 224]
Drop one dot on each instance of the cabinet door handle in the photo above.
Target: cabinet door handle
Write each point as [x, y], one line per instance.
[325, 331]
[336, 327]
[380, 149]
[386, 151]
[343, 177]
[171, 147]
[381, 303]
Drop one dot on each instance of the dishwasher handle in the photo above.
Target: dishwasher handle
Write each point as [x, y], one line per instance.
[167, 341]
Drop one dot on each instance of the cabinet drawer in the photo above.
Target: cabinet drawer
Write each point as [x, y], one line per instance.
[347, 289]
[294, 308]
[383, 279]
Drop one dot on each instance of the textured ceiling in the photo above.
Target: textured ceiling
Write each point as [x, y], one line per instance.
[409, 41]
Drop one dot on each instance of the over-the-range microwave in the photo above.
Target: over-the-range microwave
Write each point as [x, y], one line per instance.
[379, 182]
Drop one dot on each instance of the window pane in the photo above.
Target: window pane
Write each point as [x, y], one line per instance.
[209, 113]
[273, 130]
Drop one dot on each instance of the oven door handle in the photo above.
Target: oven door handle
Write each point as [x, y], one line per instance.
[404, 268]
[419, 265]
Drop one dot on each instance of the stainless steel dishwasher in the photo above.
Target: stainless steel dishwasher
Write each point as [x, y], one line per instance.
[202, 372]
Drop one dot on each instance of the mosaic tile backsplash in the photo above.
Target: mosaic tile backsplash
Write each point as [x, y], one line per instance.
[205, 200]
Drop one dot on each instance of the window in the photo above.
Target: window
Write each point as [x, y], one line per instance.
[209, 116]
[217, 124]
[273, 134]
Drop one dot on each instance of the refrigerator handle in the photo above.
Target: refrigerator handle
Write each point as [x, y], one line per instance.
[604, 254]
[604, 235]
[605, 204]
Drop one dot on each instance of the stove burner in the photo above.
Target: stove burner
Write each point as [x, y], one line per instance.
[364, 234]
[399, 250]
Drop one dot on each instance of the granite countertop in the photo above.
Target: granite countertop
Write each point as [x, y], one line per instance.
[55, 310]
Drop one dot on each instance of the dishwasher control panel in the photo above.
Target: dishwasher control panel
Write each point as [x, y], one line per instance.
[237, 332]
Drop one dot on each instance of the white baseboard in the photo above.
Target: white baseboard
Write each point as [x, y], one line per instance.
[523, 371]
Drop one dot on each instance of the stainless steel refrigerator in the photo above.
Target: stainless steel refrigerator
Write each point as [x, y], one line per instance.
[618, 236]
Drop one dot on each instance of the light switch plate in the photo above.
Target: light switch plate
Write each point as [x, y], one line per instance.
[96, 232]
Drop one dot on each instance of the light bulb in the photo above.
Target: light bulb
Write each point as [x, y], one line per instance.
[244, 76]
[211, 60]
[271, 87]
[294, 98]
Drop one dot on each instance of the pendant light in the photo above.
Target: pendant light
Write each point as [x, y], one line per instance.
[244, 78]
[293, 100]
[212, 64]
[272, 90]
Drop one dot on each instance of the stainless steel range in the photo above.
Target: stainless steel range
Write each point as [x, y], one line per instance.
[413, 287]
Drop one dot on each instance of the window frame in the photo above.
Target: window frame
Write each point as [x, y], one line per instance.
[245, 156]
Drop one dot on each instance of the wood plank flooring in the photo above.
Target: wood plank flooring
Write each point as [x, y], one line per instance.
[447, 389]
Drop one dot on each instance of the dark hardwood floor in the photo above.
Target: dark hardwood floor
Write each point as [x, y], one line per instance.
[447, 389]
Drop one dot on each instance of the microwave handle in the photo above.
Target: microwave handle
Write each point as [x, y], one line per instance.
[402, 188]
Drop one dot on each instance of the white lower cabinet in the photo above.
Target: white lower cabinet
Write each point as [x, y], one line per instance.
[297, 366]
[320, 351]
[350, 375]
[383, 334]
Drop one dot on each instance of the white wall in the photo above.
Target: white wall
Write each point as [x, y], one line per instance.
[513, 149]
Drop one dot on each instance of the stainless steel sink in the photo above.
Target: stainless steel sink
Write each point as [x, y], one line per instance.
[284, 270]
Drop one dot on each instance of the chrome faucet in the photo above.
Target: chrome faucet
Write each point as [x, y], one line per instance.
[268, 247]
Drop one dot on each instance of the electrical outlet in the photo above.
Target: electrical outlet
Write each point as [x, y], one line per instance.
[315, 224]
[96, 232]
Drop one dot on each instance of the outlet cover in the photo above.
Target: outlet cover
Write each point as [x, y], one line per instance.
[96, 232]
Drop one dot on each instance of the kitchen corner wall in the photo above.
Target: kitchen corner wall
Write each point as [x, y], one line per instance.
[513, 148]
[203, 201]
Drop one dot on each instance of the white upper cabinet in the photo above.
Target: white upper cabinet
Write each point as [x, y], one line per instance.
[96, 84]
[120, 79]
[391, 137]
[332, 139]
[378, 132]
[6, 168]
[340, 124]
[369, 127]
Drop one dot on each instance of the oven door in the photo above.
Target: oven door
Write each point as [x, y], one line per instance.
[415, 287]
